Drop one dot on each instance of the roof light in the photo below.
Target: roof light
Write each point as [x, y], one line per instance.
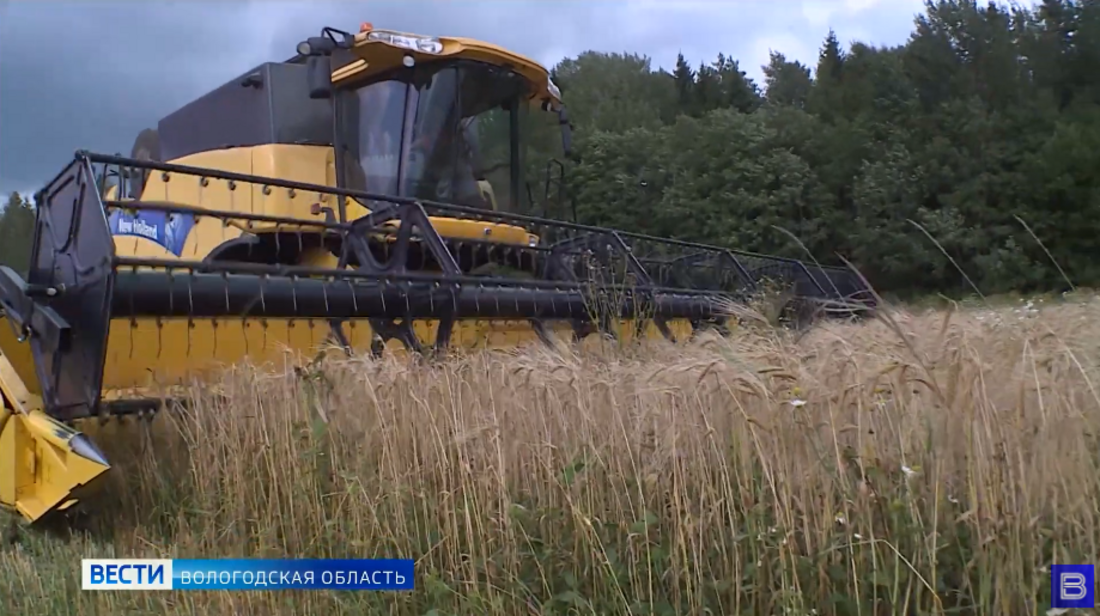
[412, 42]
[366, 26]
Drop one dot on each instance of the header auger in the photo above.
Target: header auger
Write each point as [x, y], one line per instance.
[370, 193]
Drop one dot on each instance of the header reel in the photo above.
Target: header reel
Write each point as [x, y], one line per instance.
[387, 270]
[126, 298]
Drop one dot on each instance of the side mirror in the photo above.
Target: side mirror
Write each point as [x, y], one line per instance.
[318, 50]
[566, 132]
[319, 77]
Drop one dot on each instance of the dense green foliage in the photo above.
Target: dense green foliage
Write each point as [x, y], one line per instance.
[986, 114]
[16, 231]
[982, 131]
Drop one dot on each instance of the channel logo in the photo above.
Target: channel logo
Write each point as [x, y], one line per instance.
[1073, 586]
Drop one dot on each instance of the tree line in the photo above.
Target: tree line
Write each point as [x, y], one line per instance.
[977, 139]
[981, 131]
[16, 232]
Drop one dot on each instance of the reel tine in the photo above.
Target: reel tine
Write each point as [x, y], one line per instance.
[195, 220]
[244, 332]
[232, 186]
[263, 284]
[171, 284]
[265, 191]
[190, 310]
[263, 310]
[294, 291]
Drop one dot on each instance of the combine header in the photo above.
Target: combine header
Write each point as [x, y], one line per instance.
[371, 193]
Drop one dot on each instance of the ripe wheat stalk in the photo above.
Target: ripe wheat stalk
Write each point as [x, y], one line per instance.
[936, 464]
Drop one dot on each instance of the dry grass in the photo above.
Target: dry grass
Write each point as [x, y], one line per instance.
[938, 465]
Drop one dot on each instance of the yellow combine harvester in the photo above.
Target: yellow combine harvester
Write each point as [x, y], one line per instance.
[373, 192]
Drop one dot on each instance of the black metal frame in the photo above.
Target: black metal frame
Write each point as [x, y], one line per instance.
[393, 268]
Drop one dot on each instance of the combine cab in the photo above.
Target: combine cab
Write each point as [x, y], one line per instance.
[374, 192]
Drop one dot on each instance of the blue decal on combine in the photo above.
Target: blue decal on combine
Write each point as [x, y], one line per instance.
[152, 225]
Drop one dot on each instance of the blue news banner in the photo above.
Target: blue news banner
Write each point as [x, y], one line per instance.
[246, 574]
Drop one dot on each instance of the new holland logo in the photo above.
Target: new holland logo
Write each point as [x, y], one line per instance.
[169, 230]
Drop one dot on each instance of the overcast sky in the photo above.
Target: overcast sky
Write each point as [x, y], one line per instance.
[91, 75]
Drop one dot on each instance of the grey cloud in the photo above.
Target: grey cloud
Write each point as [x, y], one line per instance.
[91, 75]
[86, 75]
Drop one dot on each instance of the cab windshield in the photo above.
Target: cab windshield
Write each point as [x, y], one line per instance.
[448, 133]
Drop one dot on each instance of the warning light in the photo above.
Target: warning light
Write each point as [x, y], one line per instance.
[366, 26]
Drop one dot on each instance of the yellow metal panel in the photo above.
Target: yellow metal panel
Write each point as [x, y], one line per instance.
[39, 468]
[42, 466]
[208, 193]
[145, 354]
[298, 163]
[14, 447]
[490, 232]
[17, 356]
[309, 164]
